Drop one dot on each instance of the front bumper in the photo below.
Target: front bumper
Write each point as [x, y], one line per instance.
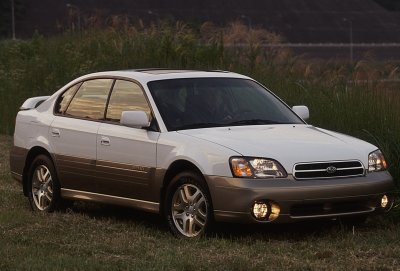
[298, 200]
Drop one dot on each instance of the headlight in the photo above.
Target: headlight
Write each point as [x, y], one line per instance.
[256, 168]
[376, 161]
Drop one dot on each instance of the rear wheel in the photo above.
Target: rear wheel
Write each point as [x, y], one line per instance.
[188, 206]
[44, 189]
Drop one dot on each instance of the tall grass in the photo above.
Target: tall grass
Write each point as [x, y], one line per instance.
[352, 98]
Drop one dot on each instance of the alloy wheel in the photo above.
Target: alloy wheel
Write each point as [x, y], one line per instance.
[42, 187]
[189, 210]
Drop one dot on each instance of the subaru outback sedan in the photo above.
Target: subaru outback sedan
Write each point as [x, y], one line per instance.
[195, 147]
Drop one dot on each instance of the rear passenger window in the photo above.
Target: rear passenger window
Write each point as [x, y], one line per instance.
[64, 99]
[90, 100]
[126, 96]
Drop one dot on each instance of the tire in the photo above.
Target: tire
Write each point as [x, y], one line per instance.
[43, 185]
[187, 205]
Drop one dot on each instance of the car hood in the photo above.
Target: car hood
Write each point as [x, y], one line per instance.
[288, 144]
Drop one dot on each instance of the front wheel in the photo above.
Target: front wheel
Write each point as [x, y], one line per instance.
[44, 190]
[188, 206]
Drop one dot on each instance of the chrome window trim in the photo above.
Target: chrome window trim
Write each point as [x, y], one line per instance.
[109, 94]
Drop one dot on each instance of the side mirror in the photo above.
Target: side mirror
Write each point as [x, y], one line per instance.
[135, 119]
[301, 111]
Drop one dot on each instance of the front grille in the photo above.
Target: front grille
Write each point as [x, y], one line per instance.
[333, 169]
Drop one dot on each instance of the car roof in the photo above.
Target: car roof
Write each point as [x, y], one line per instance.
[147, 75]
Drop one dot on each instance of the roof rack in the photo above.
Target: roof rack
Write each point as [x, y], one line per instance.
[173, 70]
[218, 71]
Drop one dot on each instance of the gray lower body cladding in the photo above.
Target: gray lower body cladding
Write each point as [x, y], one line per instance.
[17, 162]
[233, 198]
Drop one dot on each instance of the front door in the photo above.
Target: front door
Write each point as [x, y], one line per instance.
[126, 157]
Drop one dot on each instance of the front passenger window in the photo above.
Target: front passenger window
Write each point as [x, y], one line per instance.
[126, 96]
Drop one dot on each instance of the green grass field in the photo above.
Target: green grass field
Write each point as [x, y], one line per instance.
[100, 237]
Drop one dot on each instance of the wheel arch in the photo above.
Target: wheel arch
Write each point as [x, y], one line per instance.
[175, 168]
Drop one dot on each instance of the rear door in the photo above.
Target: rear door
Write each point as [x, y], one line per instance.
[126, 157]
[74, 130]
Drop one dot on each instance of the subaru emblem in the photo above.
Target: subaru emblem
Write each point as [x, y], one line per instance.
[331, 169]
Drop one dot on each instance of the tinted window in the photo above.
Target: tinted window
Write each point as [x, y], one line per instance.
[90, 100]
[64, 99]
[212, 102]
[126, 96]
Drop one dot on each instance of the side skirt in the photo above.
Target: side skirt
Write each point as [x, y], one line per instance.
[148, 206]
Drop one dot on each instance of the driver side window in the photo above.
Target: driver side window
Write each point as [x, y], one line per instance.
[126, 96]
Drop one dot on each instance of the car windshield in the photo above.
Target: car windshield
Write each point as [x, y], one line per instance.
[192, 103]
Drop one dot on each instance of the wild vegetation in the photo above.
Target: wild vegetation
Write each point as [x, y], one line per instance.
[358, 98]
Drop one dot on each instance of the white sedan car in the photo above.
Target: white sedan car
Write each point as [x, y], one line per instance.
[194, 146]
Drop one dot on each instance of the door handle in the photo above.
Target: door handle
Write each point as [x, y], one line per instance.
[55, 133]
[105, 141]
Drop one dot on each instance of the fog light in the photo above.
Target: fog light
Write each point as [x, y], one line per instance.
[275, 211]
[266, 210]
[260, 210]
[384, 201]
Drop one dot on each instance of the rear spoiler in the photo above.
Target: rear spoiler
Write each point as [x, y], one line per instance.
[33, 102]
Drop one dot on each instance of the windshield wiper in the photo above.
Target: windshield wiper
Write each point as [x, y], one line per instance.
[199, 125]
[252, 122]
[234, 123]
